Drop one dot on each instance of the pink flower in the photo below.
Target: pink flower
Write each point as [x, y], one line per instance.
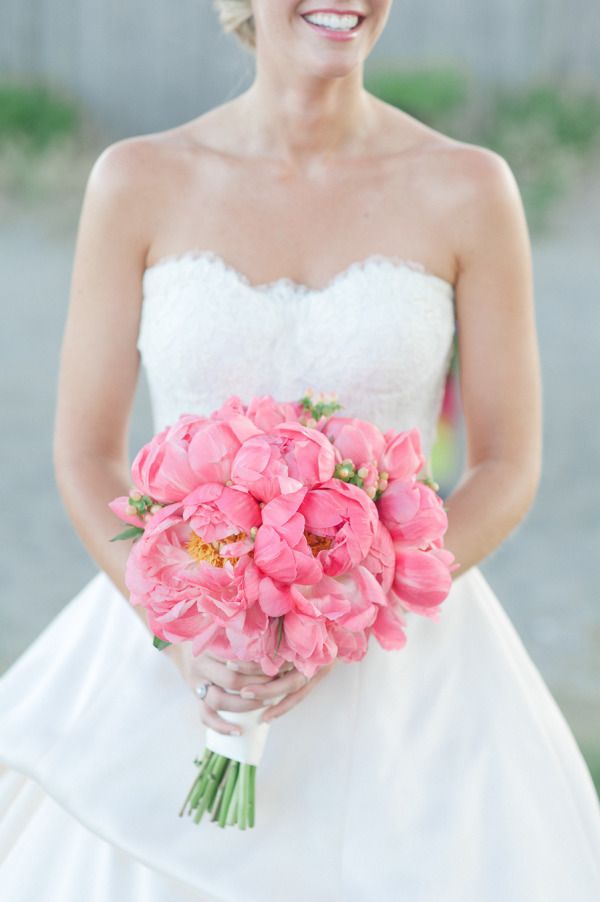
[402, 457]
[388, 628]
[281, 550]
[344, 514]
[413, 513]
[289, 457]
[422, 579]
[267, 413]
[349, 600]
[161, 468]
[260, 467]
[225, 594]
[309, 641]
[309, 456]
[350, 646]
[356, 439]
[231, 408]
[215, 511]
[380, 559]
[213, 448]
[172, 566]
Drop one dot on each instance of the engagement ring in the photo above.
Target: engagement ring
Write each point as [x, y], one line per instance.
[202, 689]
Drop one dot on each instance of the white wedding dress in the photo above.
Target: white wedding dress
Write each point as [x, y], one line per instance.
[444, 772]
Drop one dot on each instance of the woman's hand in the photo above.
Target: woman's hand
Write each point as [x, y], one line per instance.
[249, 688]
[293, 685]
[232, 676]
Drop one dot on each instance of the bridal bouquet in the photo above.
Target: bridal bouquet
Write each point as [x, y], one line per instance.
[279, 532]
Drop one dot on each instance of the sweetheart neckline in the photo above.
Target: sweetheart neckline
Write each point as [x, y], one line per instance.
[196, 255]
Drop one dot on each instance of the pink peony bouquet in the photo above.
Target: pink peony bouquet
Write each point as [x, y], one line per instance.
[279, 533]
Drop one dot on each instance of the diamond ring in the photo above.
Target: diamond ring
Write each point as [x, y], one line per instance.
[202, 689]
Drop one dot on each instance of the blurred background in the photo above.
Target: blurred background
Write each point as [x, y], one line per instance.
[521, 78]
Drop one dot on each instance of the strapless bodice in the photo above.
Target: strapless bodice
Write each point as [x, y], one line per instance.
[379, 334]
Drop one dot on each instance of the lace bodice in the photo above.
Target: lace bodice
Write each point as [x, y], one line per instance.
[379, 334]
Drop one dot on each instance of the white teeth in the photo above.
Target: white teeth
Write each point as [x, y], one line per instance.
[333, 21]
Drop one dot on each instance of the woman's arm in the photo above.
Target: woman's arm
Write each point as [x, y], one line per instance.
[99, 360]
[98, 376]
[499, 362]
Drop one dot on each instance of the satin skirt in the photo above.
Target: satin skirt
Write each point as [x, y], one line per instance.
[443, 771]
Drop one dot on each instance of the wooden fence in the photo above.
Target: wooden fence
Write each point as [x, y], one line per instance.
[140, 65]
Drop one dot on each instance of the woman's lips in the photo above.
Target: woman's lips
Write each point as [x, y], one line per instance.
[336, 35]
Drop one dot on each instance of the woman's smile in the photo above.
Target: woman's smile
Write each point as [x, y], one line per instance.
[337, 26]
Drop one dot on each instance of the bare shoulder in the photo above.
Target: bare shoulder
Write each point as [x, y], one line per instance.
[477, 199]
[128, 167]
[490, 217]
[150, 168]
[457, 171]
[129, 188]
[483, 177]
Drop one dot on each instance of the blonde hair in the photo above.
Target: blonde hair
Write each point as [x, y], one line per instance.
[236, 16]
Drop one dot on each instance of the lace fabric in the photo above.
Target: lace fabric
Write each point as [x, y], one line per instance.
[379, 333]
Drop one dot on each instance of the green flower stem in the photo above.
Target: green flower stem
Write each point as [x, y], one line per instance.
[251, 794]
[243, 798]
[224, 787]
[203, 782]
[232, 813]
[188, 796]
[232, 778]
[202, 779]
[214, 778]
[196, 784]
[216, 803]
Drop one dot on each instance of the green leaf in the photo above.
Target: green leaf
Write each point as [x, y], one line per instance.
[160, 643]
[130, 533]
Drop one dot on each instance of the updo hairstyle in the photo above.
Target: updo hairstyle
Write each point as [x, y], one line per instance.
[236, 16]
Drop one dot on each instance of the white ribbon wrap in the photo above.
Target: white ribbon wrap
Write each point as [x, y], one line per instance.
[247, 748]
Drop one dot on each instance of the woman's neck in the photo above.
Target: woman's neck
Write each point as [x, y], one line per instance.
[314, 118]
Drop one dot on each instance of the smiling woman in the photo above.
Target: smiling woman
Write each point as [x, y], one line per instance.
[237, 16]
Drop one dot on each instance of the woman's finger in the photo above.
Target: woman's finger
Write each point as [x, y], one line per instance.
[211, 719]
[280, 685]
[223, 676]
[294, 697]
[217, 698]
[286, 703]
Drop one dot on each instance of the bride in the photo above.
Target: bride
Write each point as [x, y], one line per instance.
[302, 234]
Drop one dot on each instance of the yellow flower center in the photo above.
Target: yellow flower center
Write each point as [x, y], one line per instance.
[201, 550]
[317, 543]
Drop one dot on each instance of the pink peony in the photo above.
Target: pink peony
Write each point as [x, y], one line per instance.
[267, 413]
[281, 549]
[344, 517]
[214, 446]
[388, 628]
[413, 513]
[215, 511]
[356, 439]
[289, 457]
[380, 559]
[402, 457]
[161, 468]
[422, 579]
[309, 641]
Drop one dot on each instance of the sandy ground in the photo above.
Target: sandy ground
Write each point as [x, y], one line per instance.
[544, 575]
